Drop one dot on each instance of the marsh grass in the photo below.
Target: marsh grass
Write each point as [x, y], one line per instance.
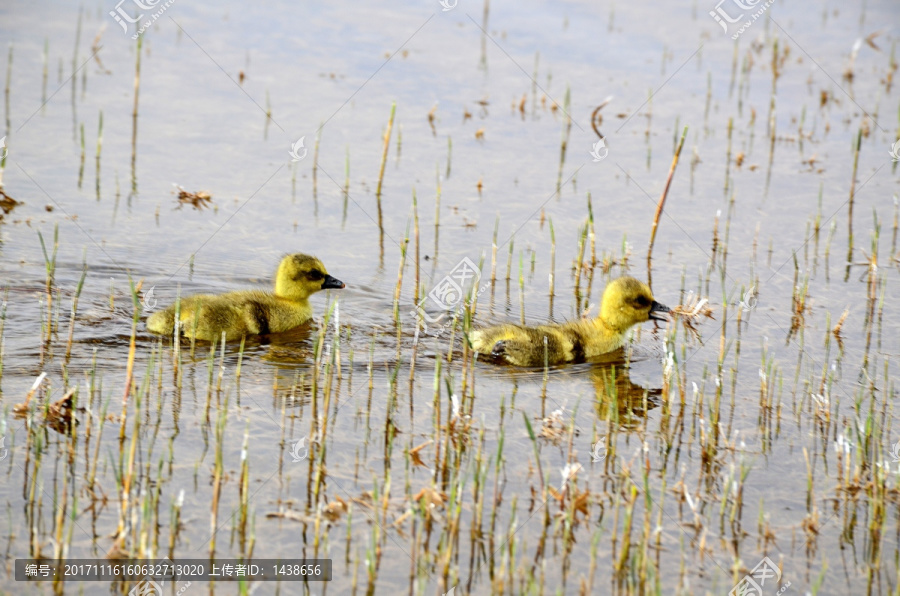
[134, 111]
[384, 157]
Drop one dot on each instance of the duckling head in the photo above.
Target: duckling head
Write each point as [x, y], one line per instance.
[627, 301]
[300, 275]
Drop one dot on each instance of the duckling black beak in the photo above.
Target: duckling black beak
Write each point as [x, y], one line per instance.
[656, 307]
[332, 283]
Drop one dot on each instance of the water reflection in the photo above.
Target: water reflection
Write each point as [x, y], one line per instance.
[619, 399]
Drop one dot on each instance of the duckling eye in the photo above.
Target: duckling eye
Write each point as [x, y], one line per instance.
[315, 275]
[642, 301]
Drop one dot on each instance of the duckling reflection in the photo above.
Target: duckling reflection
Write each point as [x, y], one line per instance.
[620, 400]
[251, 312]
[626, 302]
[291, 348]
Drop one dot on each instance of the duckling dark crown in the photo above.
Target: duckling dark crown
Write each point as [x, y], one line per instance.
[306, 266]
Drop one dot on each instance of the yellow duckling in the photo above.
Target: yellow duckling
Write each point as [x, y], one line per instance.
[251, 312]
[626, 302]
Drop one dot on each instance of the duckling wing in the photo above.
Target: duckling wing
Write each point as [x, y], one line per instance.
[207, 317]
[266, 313]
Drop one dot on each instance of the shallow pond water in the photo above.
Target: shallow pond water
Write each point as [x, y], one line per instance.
[772, 435]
